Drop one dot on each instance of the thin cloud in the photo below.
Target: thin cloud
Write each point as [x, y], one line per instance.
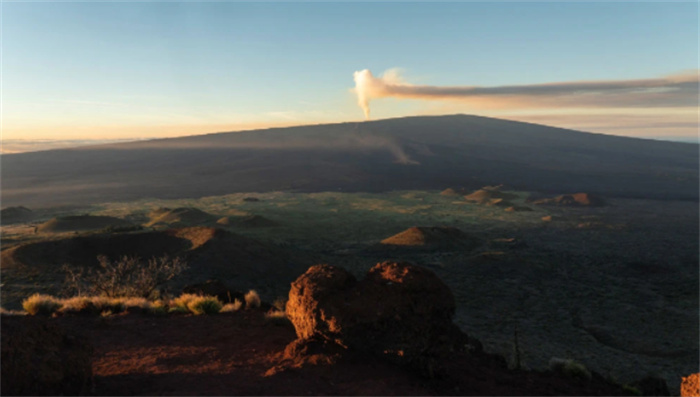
[677, 90]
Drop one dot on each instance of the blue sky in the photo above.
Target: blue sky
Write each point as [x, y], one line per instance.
[84, 70]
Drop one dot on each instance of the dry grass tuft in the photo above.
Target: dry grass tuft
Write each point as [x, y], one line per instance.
[44, 305]
[178, 304]
[277, 318]
[232, 307]
[204, 305]
[252, 300]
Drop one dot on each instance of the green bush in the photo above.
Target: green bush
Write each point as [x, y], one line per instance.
[44, 305]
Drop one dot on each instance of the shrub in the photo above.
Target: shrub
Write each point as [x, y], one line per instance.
[127, 276]
[252, 300]
[232, 307]
[182, 301]
[80, 305]
[40, 304]
[204, 305]
[158, 308]
[178, 310]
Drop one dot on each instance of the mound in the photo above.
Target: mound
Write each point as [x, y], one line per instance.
[453, 192]
[241, 262]
[432, 237]
[571, 200]
[77, 223]
[19, 214]
[179, 217]
[491, 195]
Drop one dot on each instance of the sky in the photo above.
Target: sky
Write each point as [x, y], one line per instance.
[136, 70]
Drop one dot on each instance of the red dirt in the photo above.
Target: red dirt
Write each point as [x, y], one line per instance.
[226, 354]
[244, 354]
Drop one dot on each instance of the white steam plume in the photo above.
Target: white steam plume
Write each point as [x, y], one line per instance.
[677, 90]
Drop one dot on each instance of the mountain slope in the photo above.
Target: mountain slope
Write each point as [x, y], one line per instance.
[404, 153]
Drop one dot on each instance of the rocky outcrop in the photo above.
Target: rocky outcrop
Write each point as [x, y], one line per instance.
[399, 311]
[39, 358]
[691, 385]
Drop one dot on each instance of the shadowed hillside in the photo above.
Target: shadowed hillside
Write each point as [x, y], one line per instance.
[403, 153]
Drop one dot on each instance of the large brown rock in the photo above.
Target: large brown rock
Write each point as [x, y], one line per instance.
[691, 385]
[398, 310]
[39, 358]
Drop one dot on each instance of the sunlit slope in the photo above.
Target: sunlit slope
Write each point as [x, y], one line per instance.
[404, 153]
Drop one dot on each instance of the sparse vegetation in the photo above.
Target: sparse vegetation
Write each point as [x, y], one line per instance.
[44, 305]
[277, 317]
[280, 304]
[124, 277]
[204, 305]
[252, 300]
[232, 307]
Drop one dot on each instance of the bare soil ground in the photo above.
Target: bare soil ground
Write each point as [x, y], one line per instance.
[242, 353]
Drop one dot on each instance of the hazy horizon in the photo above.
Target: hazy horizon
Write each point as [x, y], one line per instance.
[14, 146]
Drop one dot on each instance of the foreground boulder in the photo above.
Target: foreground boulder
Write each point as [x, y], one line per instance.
[691, 385]
[399, 311]
[39, 358]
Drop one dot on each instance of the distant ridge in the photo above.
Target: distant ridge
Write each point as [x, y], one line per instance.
[426, 152]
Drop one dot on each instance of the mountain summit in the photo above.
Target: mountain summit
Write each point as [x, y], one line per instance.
[426, 152]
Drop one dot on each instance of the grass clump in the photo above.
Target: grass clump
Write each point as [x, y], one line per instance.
[252, 300]
[205, 305]
[179, 304]
[232, 307]
[277, 317]
[44, 305]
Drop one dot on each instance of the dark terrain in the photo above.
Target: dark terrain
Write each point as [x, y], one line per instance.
[395, 154]
[589, 250]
